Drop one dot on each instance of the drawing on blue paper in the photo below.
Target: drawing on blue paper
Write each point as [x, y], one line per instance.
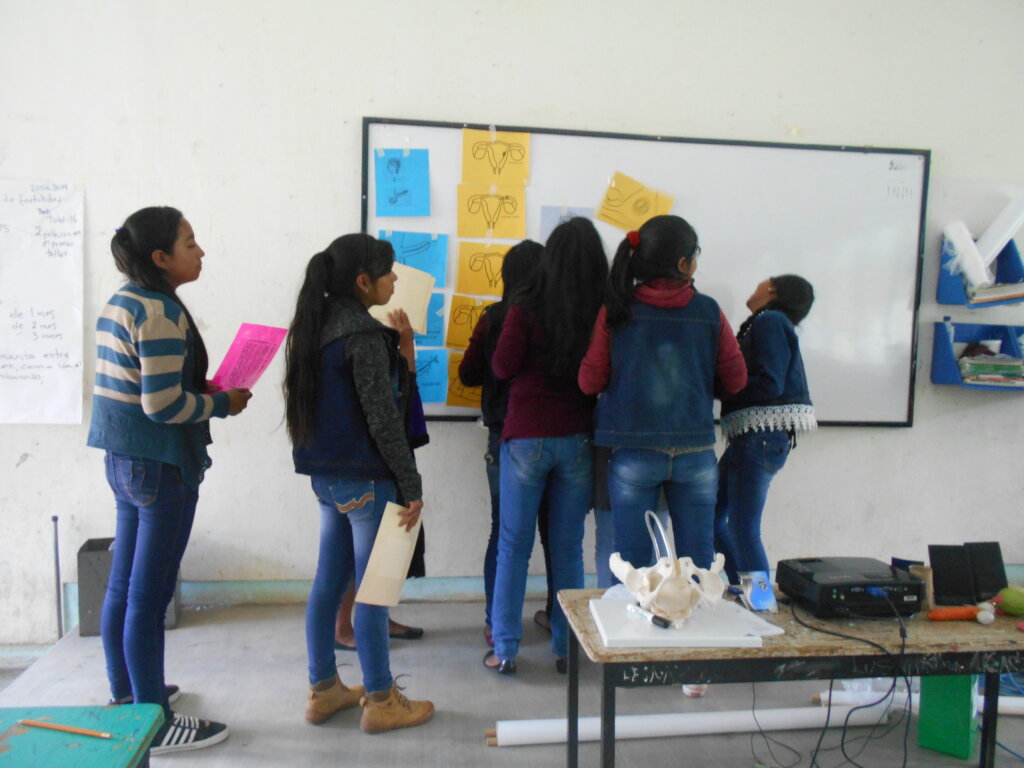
[434, 337]
[432, 374]
[422, 251]
[403, 182]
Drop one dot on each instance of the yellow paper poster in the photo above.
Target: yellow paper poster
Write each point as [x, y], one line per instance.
[465, 311]
[489, 211]
[459, 393]
[627, 204]
[500, 157]
[480, 268]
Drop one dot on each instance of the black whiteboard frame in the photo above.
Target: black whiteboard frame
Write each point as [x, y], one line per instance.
[924, 154]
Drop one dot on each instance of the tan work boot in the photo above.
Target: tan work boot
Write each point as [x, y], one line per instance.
[325, 701]
[395, 711]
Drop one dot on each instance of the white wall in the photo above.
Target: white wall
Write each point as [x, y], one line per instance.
[246, 115]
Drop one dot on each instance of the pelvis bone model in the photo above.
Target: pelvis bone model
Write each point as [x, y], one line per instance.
[672, 587]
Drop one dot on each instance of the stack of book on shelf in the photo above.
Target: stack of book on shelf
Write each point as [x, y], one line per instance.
[997, 370]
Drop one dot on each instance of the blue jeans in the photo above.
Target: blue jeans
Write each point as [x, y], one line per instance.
[155, 510]
[689, 480]
[494, 484]
[564, 467]
[745, 471]
[350, 514]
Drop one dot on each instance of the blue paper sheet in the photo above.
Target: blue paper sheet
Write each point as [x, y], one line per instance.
[434, 337]
[432, 374]
[553, 215]
[403, 182]
[421, 250]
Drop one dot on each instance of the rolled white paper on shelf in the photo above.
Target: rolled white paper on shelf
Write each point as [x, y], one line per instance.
[967, 256]
[511, 733]
[999, 232]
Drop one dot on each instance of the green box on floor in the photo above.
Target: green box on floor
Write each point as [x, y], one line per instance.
[948, 719]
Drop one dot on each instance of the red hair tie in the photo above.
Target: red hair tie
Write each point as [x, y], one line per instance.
[634, 238]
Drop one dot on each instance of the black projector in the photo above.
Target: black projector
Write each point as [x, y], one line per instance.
[849, 586]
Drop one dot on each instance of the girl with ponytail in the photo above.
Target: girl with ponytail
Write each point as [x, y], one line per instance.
[349, 383]
[151, 410]
[659, 355]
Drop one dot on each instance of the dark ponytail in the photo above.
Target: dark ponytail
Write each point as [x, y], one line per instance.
[664, 241]
[145, 231]
[330, 276]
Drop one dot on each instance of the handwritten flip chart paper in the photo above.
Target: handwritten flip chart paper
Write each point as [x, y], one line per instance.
[489, 211]
[552, 215]
[403, 182]
[41, 226]
[412, 293]
[459, 393]
[627, 203]
[249, 356]
[432, 374]
[480, 268]
[434, 337]
[421, 250]
[462, 319]
[503, 158]
[389, 560]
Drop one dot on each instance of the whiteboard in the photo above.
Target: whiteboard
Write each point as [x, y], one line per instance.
[40, 302]
[849, 219]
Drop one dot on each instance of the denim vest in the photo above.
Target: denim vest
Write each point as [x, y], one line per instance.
[341, 445]
[661, 391]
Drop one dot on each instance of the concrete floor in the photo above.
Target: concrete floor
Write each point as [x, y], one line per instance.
[246, 666]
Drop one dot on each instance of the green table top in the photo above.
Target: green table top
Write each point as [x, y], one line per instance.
[131, 728]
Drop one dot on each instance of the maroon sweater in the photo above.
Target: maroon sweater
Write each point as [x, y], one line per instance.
[539, 403]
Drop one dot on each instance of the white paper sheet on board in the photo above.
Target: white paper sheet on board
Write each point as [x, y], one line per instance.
[41, 226]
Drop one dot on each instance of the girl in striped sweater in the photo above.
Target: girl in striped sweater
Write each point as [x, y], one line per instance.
[151, 412]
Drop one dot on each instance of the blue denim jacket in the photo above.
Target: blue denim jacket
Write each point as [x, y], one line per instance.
[661, 390]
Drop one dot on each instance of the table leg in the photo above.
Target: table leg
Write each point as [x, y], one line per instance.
[607, 717]
[989, 716]
[573, 703]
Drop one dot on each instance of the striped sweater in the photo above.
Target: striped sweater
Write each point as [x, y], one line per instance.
[143, 401]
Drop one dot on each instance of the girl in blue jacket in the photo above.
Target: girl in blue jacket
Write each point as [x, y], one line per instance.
[761, 421]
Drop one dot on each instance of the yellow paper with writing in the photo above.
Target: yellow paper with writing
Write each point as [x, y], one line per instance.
[462, 319]
[480, 268]
[488, 211]
[459, 393]
[627, 204]
[503, 158]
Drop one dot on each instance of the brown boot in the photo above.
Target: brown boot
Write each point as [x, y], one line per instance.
[395, 711]
[325, 701]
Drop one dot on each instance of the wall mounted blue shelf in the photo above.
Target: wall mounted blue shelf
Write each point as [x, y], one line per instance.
[946, 370]
[1009, 279]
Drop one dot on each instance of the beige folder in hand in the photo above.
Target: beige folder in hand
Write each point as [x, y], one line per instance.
[389, 561]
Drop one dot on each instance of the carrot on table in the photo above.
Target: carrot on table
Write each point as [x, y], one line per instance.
[954, 613]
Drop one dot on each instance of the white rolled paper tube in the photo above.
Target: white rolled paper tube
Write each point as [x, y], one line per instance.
[967, 255]
[1011, 705]
[1008, 705]
[999, 232]
[512, 733]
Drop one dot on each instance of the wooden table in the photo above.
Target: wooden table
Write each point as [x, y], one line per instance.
[131, 726]
[932, 648]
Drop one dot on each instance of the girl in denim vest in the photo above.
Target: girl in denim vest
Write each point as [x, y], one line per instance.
[547, 433]
[659, 355]
[349, 381]
[762, 420]
[151, 413]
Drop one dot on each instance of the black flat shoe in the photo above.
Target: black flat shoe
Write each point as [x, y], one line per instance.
[503, 667]
[342, 647]
[407, 633]
[561, 667]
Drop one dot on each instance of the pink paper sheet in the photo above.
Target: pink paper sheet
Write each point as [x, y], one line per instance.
[250, 354]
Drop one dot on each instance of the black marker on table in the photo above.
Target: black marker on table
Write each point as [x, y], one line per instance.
[638, 610]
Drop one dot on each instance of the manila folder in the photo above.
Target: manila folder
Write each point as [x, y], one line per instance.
[389, 561]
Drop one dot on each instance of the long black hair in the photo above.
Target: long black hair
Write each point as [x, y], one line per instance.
[793, 298]
[663, 242]
[566, 291]
[133, 244]
[516, 268]
[330, 275]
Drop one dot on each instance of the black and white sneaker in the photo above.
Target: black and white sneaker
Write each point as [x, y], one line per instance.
[183, 732]
[173, 694]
